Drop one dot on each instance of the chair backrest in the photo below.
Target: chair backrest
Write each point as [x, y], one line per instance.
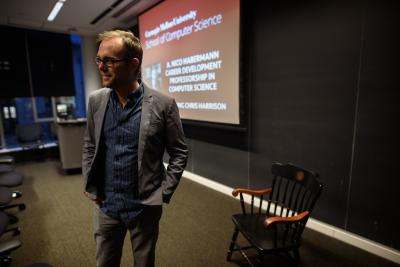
[27, 133]
[294, 190]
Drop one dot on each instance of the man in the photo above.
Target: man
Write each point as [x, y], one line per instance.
[129, 126]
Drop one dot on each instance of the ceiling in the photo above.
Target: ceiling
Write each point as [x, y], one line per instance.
[76, 16]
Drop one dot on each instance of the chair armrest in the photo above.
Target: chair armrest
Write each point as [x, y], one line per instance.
[260, 192]
[272, 220]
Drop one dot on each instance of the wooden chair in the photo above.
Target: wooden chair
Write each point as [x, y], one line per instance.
[277, 224]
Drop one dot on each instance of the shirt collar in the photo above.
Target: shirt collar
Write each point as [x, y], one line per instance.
[135, 95]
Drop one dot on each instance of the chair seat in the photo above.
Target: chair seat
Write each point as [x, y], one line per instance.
[11, 179]
[262, 238]
[7, 159]
[7, 246]
[6, 167]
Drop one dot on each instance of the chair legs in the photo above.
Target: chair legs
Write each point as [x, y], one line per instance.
[235, 247]
[296, 260]
[297, 256]
[260, 259]
[232, 245]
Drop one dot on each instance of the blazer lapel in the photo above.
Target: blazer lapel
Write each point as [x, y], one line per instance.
[144, 124]
[99, 116]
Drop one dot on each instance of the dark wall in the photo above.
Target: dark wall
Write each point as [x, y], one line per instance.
[374, 191]
[13, 64]
[50, 57]
[44, 58]
[321, 80]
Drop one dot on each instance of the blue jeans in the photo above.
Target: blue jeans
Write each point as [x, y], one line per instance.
[109, 235]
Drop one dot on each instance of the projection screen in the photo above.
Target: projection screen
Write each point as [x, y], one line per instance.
[191, 52]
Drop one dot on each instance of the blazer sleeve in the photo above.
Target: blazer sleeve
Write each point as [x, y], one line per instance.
[177, 150]
[89, 143]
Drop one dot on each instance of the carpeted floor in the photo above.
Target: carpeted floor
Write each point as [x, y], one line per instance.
[195, 228]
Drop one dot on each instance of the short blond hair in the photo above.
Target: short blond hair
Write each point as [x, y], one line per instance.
[133, 47]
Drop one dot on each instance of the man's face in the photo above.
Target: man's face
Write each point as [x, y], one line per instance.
[118, 74]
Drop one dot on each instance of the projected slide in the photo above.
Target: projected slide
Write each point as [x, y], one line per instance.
[191, 52]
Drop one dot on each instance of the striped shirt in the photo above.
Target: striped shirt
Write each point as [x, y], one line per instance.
[121, 139]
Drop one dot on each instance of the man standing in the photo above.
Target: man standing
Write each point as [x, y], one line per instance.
[129, 126]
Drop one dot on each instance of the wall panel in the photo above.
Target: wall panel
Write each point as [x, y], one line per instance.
[322, 80]
[374, 195]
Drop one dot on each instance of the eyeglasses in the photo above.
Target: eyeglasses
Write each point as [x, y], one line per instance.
[109, 62]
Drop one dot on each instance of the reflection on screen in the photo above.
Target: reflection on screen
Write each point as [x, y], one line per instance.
[191, 52]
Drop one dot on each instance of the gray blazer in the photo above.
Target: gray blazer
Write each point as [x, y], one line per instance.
[160, 130]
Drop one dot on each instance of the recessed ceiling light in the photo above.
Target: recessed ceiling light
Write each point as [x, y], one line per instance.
[57, 7]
